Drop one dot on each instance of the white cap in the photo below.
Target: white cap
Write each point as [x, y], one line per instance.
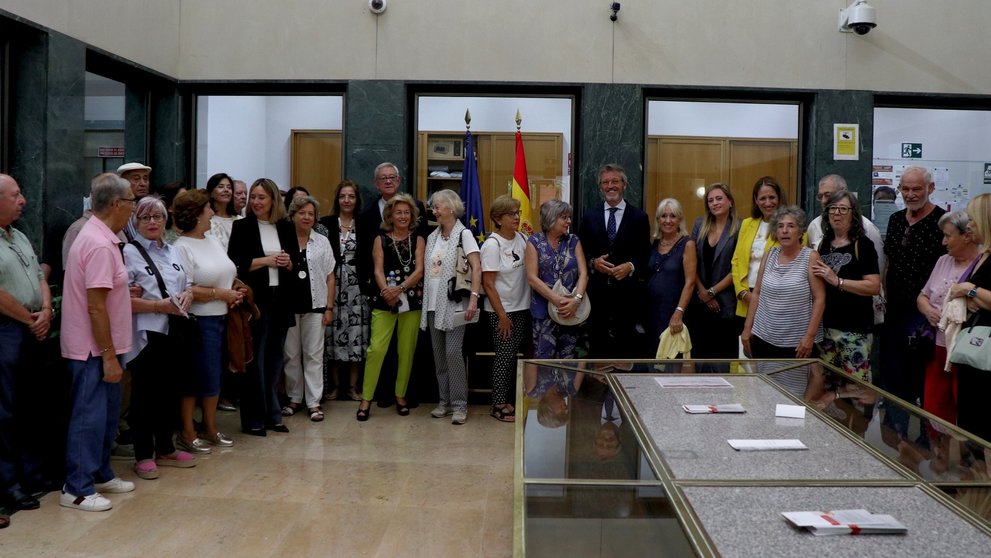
[128, 167]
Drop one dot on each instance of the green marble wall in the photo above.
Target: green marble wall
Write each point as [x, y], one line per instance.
[839, 107]
[376, 129]
[611, 128]
[46, 134]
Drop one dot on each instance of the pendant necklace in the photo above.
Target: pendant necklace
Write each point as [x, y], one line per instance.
[395, 246]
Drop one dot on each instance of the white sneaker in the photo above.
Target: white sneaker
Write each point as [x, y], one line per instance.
[94, 502]
[115, 485]
[460, 416]
[440, 411]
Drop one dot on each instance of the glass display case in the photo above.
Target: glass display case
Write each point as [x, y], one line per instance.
[610, 463]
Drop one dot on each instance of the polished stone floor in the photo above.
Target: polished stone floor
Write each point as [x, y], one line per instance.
[390, 487]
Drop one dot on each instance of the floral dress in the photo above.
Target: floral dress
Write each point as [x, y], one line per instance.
[550, 339]
[348, 333]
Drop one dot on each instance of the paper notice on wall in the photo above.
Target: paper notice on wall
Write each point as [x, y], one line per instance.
[845, 140]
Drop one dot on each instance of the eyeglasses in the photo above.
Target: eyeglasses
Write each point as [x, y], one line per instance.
[20, 255]
[389, 178]
[512, 214]
[838, 210]
[157, 217]
[131, 200]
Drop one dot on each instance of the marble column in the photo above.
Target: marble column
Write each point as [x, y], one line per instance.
[376, 127]
[612, 131]
[47, 88]
[169, 155]
[839, 107]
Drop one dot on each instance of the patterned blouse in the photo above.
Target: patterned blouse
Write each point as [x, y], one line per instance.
[553, 265]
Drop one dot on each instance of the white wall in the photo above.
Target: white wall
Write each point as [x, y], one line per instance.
[734, 120]
[498, 114]
[956, 145]
[919, 45]
[249, 137]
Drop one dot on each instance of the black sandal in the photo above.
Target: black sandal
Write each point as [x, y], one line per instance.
[362, 414]
[402, 409]
[502, 415]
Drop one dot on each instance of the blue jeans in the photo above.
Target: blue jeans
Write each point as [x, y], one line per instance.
[92, 427]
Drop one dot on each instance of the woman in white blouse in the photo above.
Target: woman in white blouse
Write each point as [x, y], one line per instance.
[212, 274]
[443, 318]
[220, 187]
[312, 301]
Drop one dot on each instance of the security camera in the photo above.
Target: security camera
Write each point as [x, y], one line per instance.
[614, 11]
[859, 17]
[377, 7]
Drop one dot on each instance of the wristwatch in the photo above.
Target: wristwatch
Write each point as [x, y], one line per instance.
[972, 293]
[711, 292]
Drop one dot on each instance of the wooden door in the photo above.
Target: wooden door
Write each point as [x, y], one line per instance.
[751, 159]
[677, 168]
[316, 164]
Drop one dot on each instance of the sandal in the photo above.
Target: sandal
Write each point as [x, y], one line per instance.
[316, 414]
[290, 409]
[4, 521]
[402, 408]
[502, 415]
[362, 414]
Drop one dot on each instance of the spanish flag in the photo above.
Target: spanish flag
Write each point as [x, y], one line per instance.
[521, 187]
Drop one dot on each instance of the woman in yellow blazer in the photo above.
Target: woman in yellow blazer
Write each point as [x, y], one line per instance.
[753, 239]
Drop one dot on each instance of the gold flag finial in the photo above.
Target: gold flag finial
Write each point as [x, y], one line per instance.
[467, 119]
[519, 120]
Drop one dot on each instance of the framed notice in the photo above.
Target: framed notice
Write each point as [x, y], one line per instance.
[846, 137]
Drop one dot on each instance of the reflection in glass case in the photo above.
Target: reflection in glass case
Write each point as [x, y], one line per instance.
[611, 463]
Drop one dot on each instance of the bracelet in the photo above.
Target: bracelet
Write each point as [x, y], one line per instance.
[579, 296]
[474, 294]
[214, 294]
[107, 348]
[839, 284]
[679, 309]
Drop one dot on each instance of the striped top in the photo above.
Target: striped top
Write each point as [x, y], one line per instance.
[785, 305]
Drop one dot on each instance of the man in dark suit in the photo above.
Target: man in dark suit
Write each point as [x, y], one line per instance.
[616, 238]
[369, 222]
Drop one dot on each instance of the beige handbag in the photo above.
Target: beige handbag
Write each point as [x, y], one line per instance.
[581, 313]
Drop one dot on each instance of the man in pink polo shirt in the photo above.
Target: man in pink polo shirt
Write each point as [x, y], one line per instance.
[96, 328]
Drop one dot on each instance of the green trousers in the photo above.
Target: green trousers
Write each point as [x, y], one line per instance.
[383, 324]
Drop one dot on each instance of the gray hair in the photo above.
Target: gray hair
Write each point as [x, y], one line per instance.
[105, 189]
[958, 219]
[792, 211]
[382, 166]
[146, 205]
[551, 211]
[301, 202]
[676, 209]
[451, 198]
[612, 167]
[837, 181]
[927, 176]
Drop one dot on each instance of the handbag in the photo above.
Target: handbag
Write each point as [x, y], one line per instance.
[459, 286]
[972, 347]
[183, 330]
[581, 313]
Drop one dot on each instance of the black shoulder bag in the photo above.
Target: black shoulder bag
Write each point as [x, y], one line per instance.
[183, 331]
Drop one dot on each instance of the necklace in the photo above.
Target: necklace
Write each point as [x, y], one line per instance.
[409, 251]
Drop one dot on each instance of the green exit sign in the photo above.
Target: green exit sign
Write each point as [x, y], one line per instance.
[911, 151]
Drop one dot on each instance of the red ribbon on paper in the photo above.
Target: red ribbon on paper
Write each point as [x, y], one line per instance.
[854, 530]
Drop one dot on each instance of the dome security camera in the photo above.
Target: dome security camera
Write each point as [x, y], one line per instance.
[859, 17]
[377, 7]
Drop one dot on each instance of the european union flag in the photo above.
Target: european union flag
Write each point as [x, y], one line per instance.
[471, 193]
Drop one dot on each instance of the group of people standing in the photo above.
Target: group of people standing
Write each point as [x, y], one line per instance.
[201, 304]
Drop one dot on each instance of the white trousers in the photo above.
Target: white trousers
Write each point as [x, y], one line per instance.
[304, 359]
